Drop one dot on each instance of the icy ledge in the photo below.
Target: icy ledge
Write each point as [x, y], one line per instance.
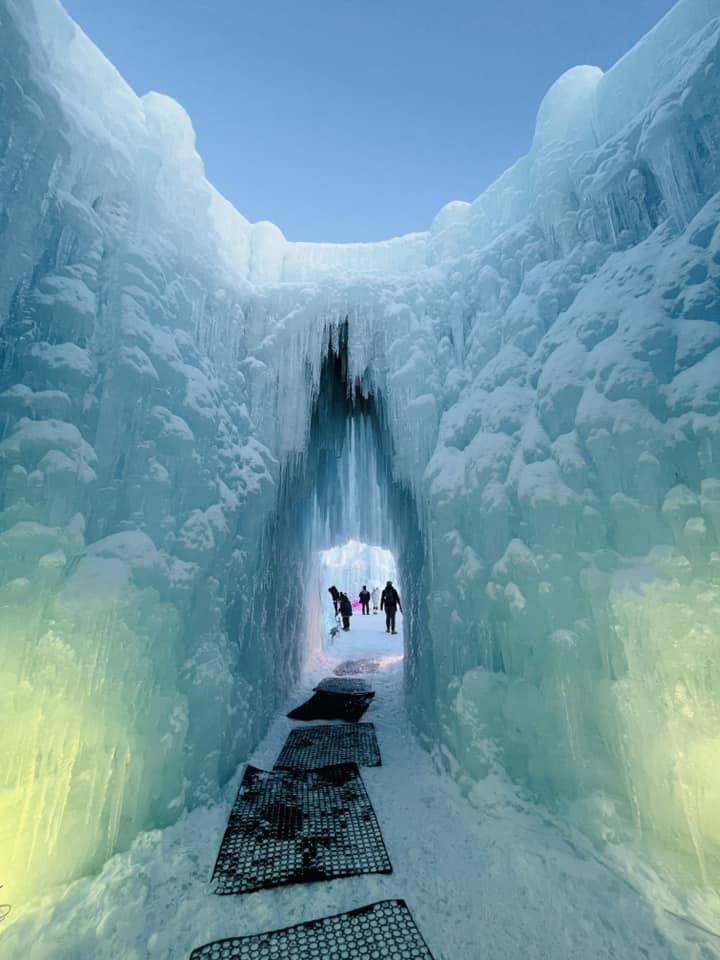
[582, 110]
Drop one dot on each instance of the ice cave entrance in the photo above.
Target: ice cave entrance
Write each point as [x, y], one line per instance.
[342, 517]
[354, 564]
[349, 567]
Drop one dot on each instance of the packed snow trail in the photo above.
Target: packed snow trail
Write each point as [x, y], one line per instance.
[489, 877]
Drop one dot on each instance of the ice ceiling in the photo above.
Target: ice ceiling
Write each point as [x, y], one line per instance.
[528, 394]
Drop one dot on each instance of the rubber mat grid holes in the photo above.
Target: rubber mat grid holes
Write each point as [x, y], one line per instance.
[308, 748]
[295, 826]
[348, 667]
[333, 706]
[382, 930]
[344, 685]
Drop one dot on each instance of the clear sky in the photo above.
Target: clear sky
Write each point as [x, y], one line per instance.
[343, 120]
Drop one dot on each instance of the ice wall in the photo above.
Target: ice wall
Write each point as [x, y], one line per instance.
[574, 487]
[530, 391]
[134, 485]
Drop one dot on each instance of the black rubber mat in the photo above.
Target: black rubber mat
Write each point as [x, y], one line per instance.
[344, 685]
[308, 748]
[348, 667]
[293, 826]
[385, 929]
[323, 705]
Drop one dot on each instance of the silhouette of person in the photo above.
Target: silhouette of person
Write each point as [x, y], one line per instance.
[346, 610]
[365, 600]
[390, 602]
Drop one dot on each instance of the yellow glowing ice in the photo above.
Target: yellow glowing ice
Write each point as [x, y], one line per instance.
[84, 715]
[53, 766]
[669, 709]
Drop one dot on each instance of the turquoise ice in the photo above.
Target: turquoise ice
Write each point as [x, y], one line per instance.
[534, 399]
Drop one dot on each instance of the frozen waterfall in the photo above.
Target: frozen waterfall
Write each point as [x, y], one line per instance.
[526, 398]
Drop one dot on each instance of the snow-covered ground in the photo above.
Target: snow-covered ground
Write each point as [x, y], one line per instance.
[490, 876]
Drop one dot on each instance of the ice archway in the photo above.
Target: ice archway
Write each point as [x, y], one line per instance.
[354, 563]
[339, 485]
[534, 382]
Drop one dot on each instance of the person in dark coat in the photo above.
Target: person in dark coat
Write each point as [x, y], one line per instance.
[334, 593]
[390, 602]
[365, 600]
[346, 610]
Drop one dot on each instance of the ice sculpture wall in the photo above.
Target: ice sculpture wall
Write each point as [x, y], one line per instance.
[538, 406]
[128, 456]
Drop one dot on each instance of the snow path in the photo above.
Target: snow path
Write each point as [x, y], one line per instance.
[494, 880]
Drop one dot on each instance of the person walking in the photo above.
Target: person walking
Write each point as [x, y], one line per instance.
[334, 593]
[365, 601]
[390, 602]
[375, 599]
[346, 610]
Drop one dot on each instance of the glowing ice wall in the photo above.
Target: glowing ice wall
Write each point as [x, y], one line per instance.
[574, 490]
[132, 487]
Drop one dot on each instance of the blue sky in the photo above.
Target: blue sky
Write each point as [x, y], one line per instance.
[358, 120]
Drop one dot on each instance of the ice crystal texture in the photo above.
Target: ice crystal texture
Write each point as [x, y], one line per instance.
[533, 428]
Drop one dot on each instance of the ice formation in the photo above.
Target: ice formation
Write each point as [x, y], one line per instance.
[353, 564]
[192, 407]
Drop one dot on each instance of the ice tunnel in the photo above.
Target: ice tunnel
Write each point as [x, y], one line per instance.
[340, 486]
[522, 404]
